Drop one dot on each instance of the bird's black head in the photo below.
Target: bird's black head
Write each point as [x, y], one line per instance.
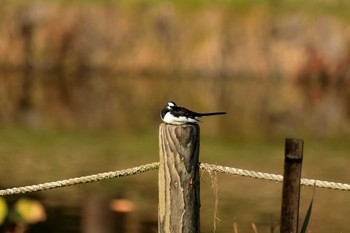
[171, 104]
[167, 108]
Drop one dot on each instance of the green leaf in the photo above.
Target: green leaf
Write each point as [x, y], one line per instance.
[308, 214]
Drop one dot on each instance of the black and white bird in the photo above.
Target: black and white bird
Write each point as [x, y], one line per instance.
[173, 114]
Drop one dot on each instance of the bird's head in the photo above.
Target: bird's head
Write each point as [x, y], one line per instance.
[171, 104]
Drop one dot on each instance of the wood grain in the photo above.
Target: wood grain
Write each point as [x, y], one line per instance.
[179, 186]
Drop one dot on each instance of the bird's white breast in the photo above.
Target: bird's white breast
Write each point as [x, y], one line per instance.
[171, 119]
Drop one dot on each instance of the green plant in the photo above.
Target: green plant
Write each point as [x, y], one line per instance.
[308, 214]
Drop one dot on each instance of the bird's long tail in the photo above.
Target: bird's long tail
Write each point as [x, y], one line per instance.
[212, 113]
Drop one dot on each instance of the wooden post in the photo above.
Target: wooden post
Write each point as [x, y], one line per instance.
[291, 185]
[96, 215]
[179, 200]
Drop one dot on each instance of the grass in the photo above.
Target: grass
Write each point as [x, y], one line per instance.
[36, 156]
[55, 147]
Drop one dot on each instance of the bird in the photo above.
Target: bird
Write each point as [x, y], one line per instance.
[176, 115]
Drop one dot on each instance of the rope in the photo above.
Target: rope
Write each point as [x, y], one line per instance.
[80, 180]
[152, 166]
[273, 177]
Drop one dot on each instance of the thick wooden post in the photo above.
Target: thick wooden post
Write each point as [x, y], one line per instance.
[179, 200]
[291, 185]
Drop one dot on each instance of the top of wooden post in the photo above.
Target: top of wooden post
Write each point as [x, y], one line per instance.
[182, 133]
[294, 148]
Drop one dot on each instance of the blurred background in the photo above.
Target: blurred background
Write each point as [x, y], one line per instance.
[82, 84]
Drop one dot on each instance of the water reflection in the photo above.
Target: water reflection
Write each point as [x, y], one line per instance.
[115, 101]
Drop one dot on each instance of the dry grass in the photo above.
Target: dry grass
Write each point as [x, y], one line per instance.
[165, 37]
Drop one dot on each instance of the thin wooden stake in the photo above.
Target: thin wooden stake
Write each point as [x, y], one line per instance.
[291, 185]
[179, 200]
